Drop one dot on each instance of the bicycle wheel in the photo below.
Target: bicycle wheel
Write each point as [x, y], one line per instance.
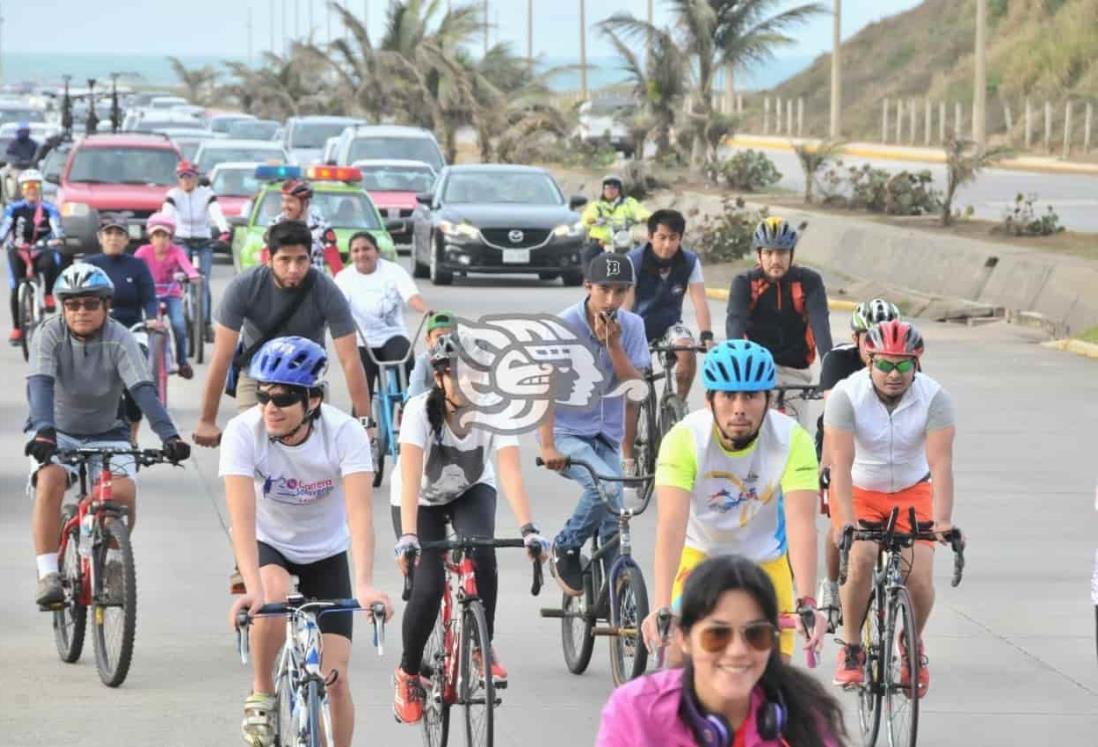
[25, 309]
[436, 711]
[382, 439]
[114, 603]
[628, 654]
[476, 690]
[316, 718]
[672, 410]
[577, 640]
[901, 702]
[160, 342]
[647, 439]
[285, 729]
[69, 622]
[197, 328]
[870, 694]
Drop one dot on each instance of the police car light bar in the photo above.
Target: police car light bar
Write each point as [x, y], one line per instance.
[270, 173]
[333, 174]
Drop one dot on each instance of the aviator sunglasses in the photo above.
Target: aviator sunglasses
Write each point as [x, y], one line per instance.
[904, 366]
[760, 636]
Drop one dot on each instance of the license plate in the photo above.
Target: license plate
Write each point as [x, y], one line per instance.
[516, 256]
[134, 230]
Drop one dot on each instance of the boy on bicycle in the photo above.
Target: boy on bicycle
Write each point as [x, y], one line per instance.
[422, 377]
[81, 360]
[298, 484]
[888, 432]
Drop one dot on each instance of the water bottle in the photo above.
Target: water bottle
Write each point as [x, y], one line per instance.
[86, 526]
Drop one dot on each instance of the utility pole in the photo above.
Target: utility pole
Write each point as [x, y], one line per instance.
[486, 27]
[648, 48]
[583, 50]
[310, 3]
[530, 32]
[979, 99]
[249, 35]
[836, 71]
[285, 34]
[272, 19]
[1, 46]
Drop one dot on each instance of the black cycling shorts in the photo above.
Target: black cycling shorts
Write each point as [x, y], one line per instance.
[325, 579]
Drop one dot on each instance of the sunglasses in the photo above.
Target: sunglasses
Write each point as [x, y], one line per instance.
[87, 304]
[760, 636]
[905, 366]
[280, 399]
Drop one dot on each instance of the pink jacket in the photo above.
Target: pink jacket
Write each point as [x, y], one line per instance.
[163, 270]
[645, 713]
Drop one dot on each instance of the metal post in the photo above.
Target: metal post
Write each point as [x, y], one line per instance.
[1008, 115]
[766, 115]
[648, 39]
[777, 115]
[899, 121]
[884, 121]
[583, 49]
[1048, 126]
[958, 120]
[1029, 123]
[272, 19]
[1086, 127]
[285, 36]
[249, 35]
[942, 122]
[729, 89]
[835, 126]
[928, 123]
[800, 116]
[979, 100]
[789, 117]
[530, 31]
[913, 111]
[1, 44]
[1067, 129]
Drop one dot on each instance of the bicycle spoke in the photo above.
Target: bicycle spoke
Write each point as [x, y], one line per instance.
[902, 705]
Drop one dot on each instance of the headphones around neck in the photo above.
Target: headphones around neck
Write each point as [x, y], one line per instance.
[713, 729]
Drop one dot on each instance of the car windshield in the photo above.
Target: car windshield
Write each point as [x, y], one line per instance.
[152, 125]
[236, 182]
[210, 157]
[314, 134]
[397, 179]
[122, 165]
[224, 124]
[523, 188]
[252, 130]
[340, 209]
[404, 148]
[22, 115]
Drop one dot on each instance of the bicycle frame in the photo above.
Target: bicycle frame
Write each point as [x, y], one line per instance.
[96, 501]
[392, 387]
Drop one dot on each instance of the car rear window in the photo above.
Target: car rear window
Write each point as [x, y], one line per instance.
[210, 157]
[124, 165]
[402, 148]
[397, 179]
[314, 134]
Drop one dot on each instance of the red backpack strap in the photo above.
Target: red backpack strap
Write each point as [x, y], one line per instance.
[758, 287]
[798, 297]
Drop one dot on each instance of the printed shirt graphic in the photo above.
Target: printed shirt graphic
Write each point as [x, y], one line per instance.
[377, 300]
[450, 466]
[737, 496]
[300, 505]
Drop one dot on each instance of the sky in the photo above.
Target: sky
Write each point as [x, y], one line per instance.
[219, 27]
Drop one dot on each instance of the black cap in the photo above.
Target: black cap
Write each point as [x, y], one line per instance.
[610, 269]
[114, 220]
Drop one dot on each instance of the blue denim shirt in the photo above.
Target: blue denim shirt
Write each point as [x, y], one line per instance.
[606, 415]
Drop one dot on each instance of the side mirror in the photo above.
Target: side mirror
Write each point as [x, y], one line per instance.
[424, 198]
[577, 202]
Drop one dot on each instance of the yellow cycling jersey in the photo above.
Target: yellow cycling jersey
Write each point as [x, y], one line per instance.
[737, 496]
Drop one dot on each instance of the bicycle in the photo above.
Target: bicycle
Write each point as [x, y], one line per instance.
[90, 529]
[449, 663]
[888, 630]
[304, 714]
[658, 414]
[803, 393]
[619, 597]
[194, 316]
[31, 292]
[196, 248]
[159, 344]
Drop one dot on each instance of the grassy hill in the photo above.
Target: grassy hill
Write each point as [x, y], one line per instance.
[1043, 49]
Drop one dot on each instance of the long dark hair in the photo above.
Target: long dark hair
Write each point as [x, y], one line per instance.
[436, 404]
[809, 706]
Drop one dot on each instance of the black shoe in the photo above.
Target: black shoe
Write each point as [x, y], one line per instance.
[49, 591]
[186, 371]
[567, 570]
[209, 332]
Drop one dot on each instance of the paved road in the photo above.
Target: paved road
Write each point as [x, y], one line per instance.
[1012, 650]
[1075, 197]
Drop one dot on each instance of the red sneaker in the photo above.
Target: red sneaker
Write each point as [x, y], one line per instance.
[50, 306]
[499, 674]
[408, 698]
[16, 336]
[905, 671]
[851, 669]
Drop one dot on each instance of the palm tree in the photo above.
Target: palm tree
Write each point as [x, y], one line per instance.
[965, 160]
[197, 82]
[812, 158]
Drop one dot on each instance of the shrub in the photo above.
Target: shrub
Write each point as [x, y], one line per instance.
[1022, 219]
[726, 236]
[880, 191]
[748, 170]
[911, 194]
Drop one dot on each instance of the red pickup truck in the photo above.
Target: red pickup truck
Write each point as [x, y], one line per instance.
[128, 173]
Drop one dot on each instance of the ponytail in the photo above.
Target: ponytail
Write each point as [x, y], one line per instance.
[436, 410]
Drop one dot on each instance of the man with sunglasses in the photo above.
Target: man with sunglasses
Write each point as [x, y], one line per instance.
[81, 361]
[298, 484]
[888, 432]
[738, 478]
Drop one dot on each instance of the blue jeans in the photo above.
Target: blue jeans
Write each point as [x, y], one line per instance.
[174, 309]
[590, 514]
[202, 249]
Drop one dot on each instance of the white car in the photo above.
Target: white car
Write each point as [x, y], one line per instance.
[213, 152]
[235, 184]
[167, 102]
[389, 141]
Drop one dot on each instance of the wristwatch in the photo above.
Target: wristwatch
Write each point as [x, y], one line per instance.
[530, 528]
[367, 422]
[706, 335]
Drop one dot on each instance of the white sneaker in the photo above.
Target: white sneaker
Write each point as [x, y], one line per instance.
[258, 726]
[829, 603]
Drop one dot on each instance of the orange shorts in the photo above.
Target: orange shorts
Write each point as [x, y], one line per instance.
[872, 505]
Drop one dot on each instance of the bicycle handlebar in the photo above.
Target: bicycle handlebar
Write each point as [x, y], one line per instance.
[144, 457]
[600, 478]
[467, 543]
[244, 619]
[887, 536]
[393, 363]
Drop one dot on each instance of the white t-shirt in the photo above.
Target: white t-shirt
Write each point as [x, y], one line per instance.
[450, 466]
[298, 489]
[377, 300]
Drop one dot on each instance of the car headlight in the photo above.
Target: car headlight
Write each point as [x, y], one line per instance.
[75, 209]
[457, 230]
[568, 230]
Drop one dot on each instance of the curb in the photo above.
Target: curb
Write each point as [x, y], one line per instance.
[1077, 347]
[835, 304]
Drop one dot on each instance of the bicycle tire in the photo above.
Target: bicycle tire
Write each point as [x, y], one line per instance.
[113, 660]
[314, 716]
[901, 703]
[198, 333]
[672, 410]
[577, 639]
[476, 693]
[70, 622]
[285, 729]
[436, 711]
[382, 440]
[631, 609]
[160, 365]
[870, 694]
[25, 308]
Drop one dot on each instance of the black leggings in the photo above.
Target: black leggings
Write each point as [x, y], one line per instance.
[46, 264]
[394, 349]
[473, 515]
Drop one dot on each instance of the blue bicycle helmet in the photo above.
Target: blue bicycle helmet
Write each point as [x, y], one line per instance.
[83, 279]
[739, 366]
[292, 361]
[774, 233]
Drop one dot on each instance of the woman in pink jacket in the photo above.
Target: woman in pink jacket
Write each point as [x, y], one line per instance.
[167, 262]
[735, 691]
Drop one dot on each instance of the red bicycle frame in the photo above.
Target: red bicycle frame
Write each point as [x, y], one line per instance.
[467, 588]
[96, 499]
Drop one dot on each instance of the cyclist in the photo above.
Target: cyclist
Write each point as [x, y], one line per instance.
[166, 262]
[604, 214]
[298, 484]
[594, 433]
[194, 208]
[26, 222]
[840, 363]
[377, 290]
[81, 360]
[20, 154]
[733, 691]
[297, 195]
[422, 377]
[445, 475]
[783, 307]
[888, 433]
[738, 477]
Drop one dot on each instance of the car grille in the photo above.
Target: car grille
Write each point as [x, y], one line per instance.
[501, 237]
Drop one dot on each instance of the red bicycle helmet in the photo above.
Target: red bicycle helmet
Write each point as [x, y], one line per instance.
[185, 167]
[894, 338]
[297, 188]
